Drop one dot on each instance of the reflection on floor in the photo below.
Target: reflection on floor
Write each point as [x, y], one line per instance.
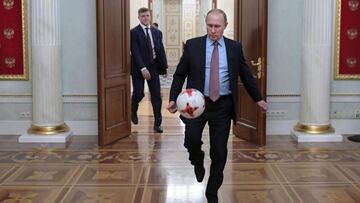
[148, 167]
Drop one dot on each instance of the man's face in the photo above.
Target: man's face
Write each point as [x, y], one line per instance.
[145, 18]
[215, 24]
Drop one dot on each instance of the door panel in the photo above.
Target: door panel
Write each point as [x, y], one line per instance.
[113, 37]
[251, 31]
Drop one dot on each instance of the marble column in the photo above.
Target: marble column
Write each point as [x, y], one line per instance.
[314, 124]
[48, 119]
[205, 6]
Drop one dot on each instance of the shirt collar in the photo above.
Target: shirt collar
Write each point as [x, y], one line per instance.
[210, 42]
[144, 26]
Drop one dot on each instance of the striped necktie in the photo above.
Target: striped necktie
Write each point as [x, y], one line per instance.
[150, 49]
[214, 89]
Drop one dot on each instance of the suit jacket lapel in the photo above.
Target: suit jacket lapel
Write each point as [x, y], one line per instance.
[142, 33]
[202, 57]
[229, 56]
[153, 33]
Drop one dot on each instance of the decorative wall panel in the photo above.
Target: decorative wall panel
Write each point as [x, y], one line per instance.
[172, 31]
[13, 40]
[189, 19]
[347, 53]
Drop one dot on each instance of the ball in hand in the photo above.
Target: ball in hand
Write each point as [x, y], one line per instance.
[190, 103]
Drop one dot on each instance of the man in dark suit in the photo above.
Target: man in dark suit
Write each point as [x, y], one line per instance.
[212, 64]
[148, 61]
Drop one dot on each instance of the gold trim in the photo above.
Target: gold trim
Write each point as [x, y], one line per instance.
[337, 75]
[48, 130]
[314, 129]
[24, 17]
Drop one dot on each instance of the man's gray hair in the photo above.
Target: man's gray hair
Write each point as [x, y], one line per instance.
[217, 11]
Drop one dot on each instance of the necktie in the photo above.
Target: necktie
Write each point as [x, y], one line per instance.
[150, 49]
[214, 92]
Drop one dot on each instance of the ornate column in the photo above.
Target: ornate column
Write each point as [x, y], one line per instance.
[205, 6]
[314, 124]
[48, 119]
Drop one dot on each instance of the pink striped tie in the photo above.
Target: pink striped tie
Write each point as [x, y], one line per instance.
[214, 92]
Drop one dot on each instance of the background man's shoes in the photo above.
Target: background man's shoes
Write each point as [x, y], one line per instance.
[134, 118]
[158, 129]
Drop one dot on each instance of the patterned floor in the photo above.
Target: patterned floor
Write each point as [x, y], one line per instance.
[165, 82]
[153, 168]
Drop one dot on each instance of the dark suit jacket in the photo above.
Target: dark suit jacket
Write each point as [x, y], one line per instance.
[192, 66]
[140, 56]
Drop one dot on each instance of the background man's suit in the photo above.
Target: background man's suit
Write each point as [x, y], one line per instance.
[140, 58]
[217, 113]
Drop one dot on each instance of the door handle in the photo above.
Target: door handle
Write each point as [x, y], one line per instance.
[259, 67]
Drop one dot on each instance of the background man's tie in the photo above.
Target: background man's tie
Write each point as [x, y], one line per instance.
[214, 92]
[148, 40]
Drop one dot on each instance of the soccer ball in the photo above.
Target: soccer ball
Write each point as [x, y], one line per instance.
[190, 103]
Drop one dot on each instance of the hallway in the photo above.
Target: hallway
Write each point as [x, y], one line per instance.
[148, 167]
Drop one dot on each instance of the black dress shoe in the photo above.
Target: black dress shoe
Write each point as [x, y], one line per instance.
[134, 118]
[199, 168]
[158, 129]
[211, 196]
[199, 172]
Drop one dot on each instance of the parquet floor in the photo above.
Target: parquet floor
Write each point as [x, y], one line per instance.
[153, 168]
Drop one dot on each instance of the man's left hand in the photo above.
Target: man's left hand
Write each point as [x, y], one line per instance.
[263, 105]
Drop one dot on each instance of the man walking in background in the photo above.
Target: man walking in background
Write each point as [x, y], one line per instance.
[148, 61]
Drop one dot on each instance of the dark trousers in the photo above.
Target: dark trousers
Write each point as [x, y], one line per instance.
[154, 88]
[218, 115]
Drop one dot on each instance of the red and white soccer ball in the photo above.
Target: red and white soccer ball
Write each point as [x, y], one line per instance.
[190, 103]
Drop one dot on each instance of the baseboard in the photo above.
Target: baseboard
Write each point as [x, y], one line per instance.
[273, 127]
[284, 127]
[20, 127]
[279, 127]
[83, 127]
[14, 127]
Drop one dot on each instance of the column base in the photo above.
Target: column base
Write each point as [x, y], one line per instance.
[307, 137]
[56, 138]
[314, 129]
[48, 130]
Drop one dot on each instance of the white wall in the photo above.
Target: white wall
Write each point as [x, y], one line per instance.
[284, 46]
[134, 6]
[78, 37]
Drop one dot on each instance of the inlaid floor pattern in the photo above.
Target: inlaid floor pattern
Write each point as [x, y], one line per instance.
[148, 167]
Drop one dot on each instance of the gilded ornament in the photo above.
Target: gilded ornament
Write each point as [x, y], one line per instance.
[10, 62]
[9, 33]
[351, 62]
[352, 33]
[353, 5]
[8, 4]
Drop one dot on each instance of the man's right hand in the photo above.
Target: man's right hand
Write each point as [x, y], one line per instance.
[171, 107]
[146, 74]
